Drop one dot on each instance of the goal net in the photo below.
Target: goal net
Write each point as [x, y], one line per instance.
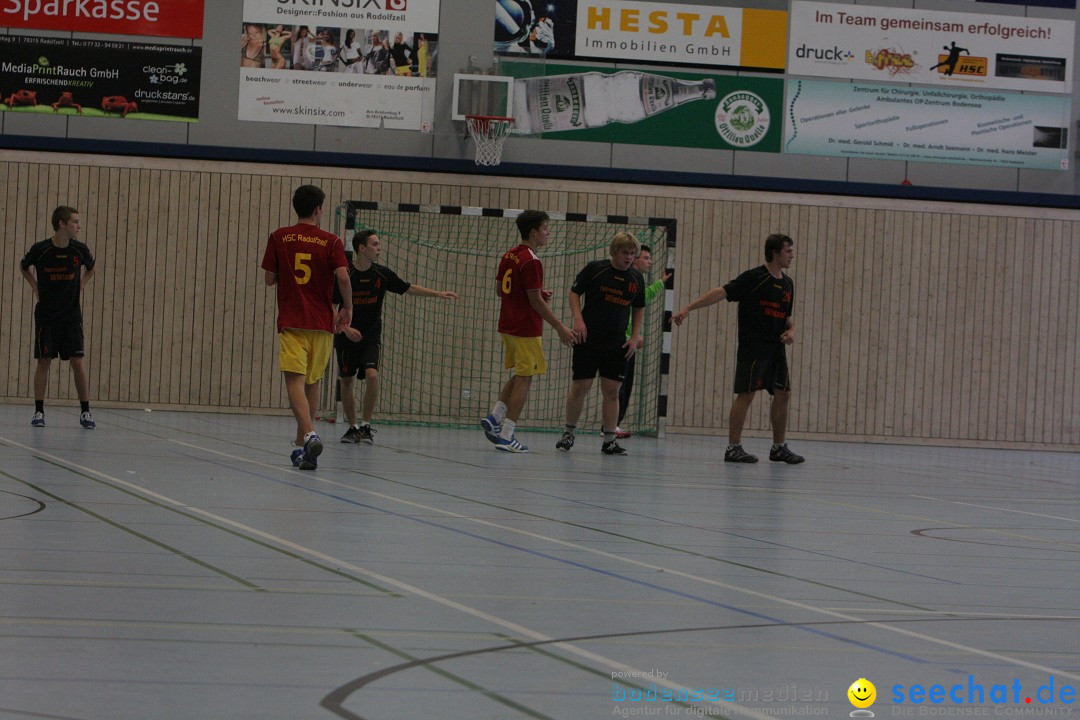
[441, 361]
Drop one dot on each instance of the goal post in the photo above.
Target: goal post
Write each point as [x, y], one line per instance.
[441, 361]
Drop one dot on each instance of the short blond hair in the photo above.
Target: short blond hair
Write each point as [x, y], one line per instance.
[625, 241]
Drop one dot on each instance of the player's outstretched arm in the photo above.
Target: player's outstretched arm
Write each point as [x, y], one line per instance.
[536, 300]
[428, 292]
[710, 298]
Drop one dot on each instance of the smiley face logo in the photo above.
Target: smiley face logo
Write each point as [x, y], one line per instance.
[862, 693]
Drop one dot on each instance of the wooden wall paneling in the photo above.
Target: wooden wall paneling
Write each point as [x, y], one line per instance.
[1010, 306]
[981, 270]
[1052, 301]
[149, 303]
[1071, 329]
[12, 345]
[1035, 327]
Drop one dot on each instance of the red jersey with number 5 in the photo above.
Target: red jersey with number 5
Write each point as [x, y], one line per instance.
[519, 272]
[304, 258]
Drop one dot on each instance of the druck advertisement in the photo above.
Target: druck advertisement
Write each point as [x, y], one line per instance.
[894, 122]
[371, 65]
[99, 78]
[861, 42]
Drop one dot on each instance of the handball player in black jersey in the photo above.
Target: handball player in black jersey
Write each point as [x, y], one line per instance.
[613, 291]
[358, 347]
[765, 295]
[62, 268]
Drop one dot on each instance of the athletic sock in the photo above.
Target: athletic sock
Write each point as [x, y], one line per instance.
[499, 411]
[85, 406]
[609, 435]
[571, 428]
[308, 436]
[363, 423]
[39, 406]
[508, 427]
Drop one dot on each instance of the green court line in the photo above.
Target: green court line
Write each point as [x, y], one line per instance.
[142, 536]
[468, 684]
[216, 526]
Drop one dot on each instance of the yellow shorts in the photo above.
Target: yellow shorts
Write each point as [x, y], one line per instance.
[524, 354]
[305, 352]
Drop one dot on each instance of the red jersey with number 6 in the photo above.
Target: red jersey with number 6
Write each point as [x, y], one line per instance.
[304, 257]
[519, 272]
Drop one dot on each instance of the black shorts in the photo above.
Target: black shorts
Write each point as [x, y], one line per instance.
[608, 360]
[58, 338]
[764, 371]
[354, 358]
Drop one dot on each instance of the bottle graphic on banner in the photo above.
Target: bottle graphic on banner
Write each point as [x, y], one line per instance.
[589, 100]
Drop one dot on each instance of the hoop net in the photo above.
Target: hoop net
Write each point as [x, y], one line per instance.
[489, 133]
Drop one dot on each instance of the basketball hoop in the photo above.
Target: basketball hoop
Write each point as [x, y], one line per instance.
[489, 132]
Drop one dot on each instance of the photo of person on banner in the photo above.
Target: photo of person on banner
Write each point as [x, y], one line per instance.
[253, 46]
[377, 58]
[303, 48]
[351, 53]
[278, 37]
[327, 51]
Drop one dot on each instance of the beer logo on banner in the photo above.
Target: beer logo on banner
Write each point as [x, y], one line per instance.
[742, 119]
[894, 62]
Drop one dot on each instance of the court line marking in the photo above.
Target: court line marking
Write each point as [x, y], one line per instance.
[401, 585]
[993, 507]
[677, 573]
[515, 627]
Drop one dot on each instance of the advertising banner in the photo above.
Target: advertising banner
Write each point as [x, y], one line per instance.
[370, 66]
[97, 78]
[164, 18]
[669, 109]
[893, 122]
[1039, 3]
[861, 42]
[643, 32]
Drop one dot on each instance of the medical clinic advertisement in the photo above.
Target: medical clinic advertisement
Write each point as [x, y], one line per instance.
[860, 42]
[643, 32]
[99, 78]
[893, 122]
[164, 18]
[353, 64]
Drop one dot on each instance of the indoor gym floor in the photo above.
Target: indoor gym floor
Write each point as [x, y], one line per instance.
[175, 565]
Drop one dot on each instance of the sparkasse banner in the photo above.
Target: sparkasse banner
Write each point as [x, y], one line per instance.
[163, 18]
[861, 42]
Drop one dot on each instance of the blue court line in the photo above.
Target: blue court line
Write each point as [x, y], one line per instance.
[742, 537]
[572, 563]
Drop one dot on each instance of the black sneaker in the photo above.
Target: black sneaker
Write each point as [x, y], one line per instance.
[565, 442]
[780, 453]
[367, 434]
[735, 453]
[612, 448]
[352, 435]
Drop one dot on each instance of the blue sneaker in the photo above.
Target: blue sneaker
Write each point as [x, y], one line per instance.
[38, 420]
[295, 456]
[87, 420]
[511, 445]
[491, 428]
[309, 457]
